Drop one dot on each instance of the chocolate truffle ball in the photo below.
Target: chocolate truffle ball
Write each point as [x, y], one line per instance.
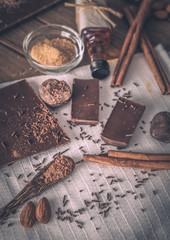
[54, 92]
[160, 127]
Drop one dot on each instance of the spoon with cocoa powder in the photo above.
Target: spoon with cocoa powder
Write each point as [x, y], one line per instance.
[56, 170]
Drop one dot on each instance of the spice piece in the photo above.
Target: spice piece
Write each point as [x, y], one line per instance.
[27, 216]
[150, 55]
[122, 162]
[160, 127]
[130, 43]
[53, 52]
[139, 156]
[54, 92]
[43, 211]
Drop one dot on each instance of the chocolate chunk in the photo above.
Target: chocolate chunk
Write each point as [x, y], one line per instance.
[54, 92]
[85, 101]
[122, 122]
[160, 127]
[34, 131]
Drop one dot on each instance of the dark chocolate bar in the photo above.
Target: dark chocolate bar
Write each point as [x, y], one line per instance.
[85, 101]
[15, 11]
[27, 127]
[122, 122]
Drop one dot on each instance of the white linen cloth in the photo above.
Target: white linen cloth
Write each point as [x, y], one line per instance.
[135, 212]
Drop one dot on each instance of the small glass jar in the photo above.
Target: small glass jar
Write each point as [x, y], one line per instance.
[53, 31]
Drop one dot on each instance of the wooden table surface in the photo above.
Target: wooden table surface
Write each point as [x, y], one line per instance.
[13, 64]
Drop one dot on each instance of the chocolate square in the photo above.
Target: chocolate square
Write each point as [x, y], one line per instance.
[27, 127]
[122, 122]
[85, 101]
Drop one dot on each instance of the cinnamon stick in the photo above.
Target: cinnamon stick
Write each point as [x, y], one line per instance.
[122, 162]
[130, 43]
[139, 156]
[150, 55]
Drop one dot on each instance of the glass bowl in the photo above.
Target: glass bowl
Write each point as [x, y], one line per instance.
[50, 32]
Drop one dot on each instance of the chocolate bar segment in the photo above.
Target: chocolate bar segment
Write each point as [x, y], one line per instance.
[122, 122]
[85, 101]
[27, 127]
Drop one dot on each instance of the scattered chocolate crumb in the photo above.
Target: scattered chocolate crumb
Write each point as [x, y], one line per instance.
[29, 174]
[122, 196]
[64, 151]
[79, 161]
[136, 84]
[128, 191]
[87, 203]
[109, 196]
[10, 224]
[141, 195]
[101, 185]
[7, 174]
[44, 160]
[154, 192]
[107, 105]
[138, 185]
[36, 157]
[2, 222]
[20, 176]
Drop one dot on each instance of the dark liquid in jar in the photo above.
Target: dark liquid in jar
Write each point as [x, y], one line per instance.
[96, 40]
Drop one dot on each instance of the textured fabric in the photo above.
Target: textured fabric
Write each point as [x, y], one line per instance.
[103, 202]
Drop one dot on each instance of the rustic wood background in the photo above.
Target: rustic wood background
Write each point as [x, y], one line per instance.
[13, 64]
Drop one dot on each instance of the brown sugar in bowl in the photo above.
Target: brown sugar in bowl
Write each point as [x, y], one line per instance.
[53, 49]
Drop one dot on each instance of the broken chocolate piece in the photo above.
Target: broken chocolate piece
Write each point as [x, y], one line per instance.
[85, 101]
[26, 134]
[54, 92]
[122, 122]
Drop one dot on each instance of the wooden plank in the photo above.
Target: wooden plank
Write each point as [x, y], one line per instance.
[14, 39]
[59, 15]
[13, 66]
[14, 13]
